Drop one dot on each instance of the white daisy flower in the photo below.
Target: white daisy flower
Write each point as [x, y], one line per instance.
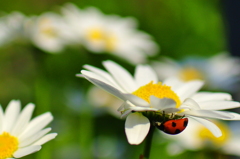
[11, 27]
[49, 32]
[20, 136]
[196, 137]
[101, 33]
[221, 72]
[146, 98]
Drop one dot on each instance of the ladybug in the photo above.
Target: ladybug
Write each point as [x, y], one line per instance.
[173, 126]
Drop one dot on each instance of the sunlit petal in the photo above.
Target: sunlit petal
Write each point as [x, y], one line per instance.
[145, 74]
[209, 125]
[121, 75]
[136, 128]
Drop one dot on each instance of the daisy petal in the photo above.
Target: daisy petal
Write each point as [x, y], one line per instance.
[142, 109]
[210, 114]
[11, 115]
[210, 126]
[106, 87]
[136, 128]
[173, 82]
[136, 100]
[23, 119]
[124, 78]
[236, 116]
[34, 137]
[88, 74]
[26, 151]
[36, 125]
[208, 96]
[218, 105]
[190, 104]
[144, 75]
[189, 88]
[1, 119]
[104, 74]
[45, 139]
[162, 103]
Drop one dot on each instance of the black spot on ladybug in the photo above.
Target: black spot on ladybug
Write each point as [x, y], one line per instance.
[177, 131]
[174, 124]
[185, 123]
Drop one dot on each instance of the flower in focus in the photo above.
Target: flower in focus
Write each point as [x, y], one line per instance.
[147, 100]
[49, 32]
[11, 27]
[221, 72]
[197, 137]
[100, 33]
[18, 135]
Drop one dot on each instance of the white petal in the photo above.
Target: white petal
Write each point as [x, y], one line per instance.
[23, 119]
[26, 151]
[162, 103]
[11, 115]
[125, 113]
[190, 104]
[107, 88]
[136, 100]
[189, 88]
[236, 116]
[104, 74]
[210, 126]
[210, 114]
[45, 139]
[36, 125]
[1, 119]
[142, 109]
[34, 138]
[173, 82]
[136, 128]
[144, 74]
[218, 105]
[209, 96]
[124, 78]
[88, 75]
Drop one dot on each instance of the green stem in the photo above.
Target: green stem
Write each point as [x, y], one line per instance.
[148, 143]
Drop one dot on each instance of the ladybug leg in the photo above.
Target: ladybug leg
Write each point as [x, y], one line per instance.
[172, 116]
[163, 115]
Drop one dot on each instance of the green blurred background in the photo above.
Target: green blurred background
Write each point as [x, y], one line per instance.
[180, 27]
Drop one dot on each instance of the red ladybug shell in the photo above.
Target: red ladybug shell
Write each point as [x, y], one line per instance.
[173, 126]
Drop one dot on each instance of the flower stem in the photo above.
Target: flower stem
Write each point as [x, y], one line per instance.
[148, 143]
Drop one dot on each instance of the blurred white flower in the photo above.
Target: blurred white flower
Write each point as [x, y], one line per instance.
[11, 27]
[110, 33]
[220, 72]
[102, 99]
[143, 93]
[49, 32]
[18, 135]
[196, 137]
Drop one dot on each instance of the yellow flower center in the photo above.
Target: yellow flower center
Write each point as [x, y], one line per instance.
[190, 73]
[158, 90]
[97, 34]
[8, 145]
[206, 135]
[47, 29]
